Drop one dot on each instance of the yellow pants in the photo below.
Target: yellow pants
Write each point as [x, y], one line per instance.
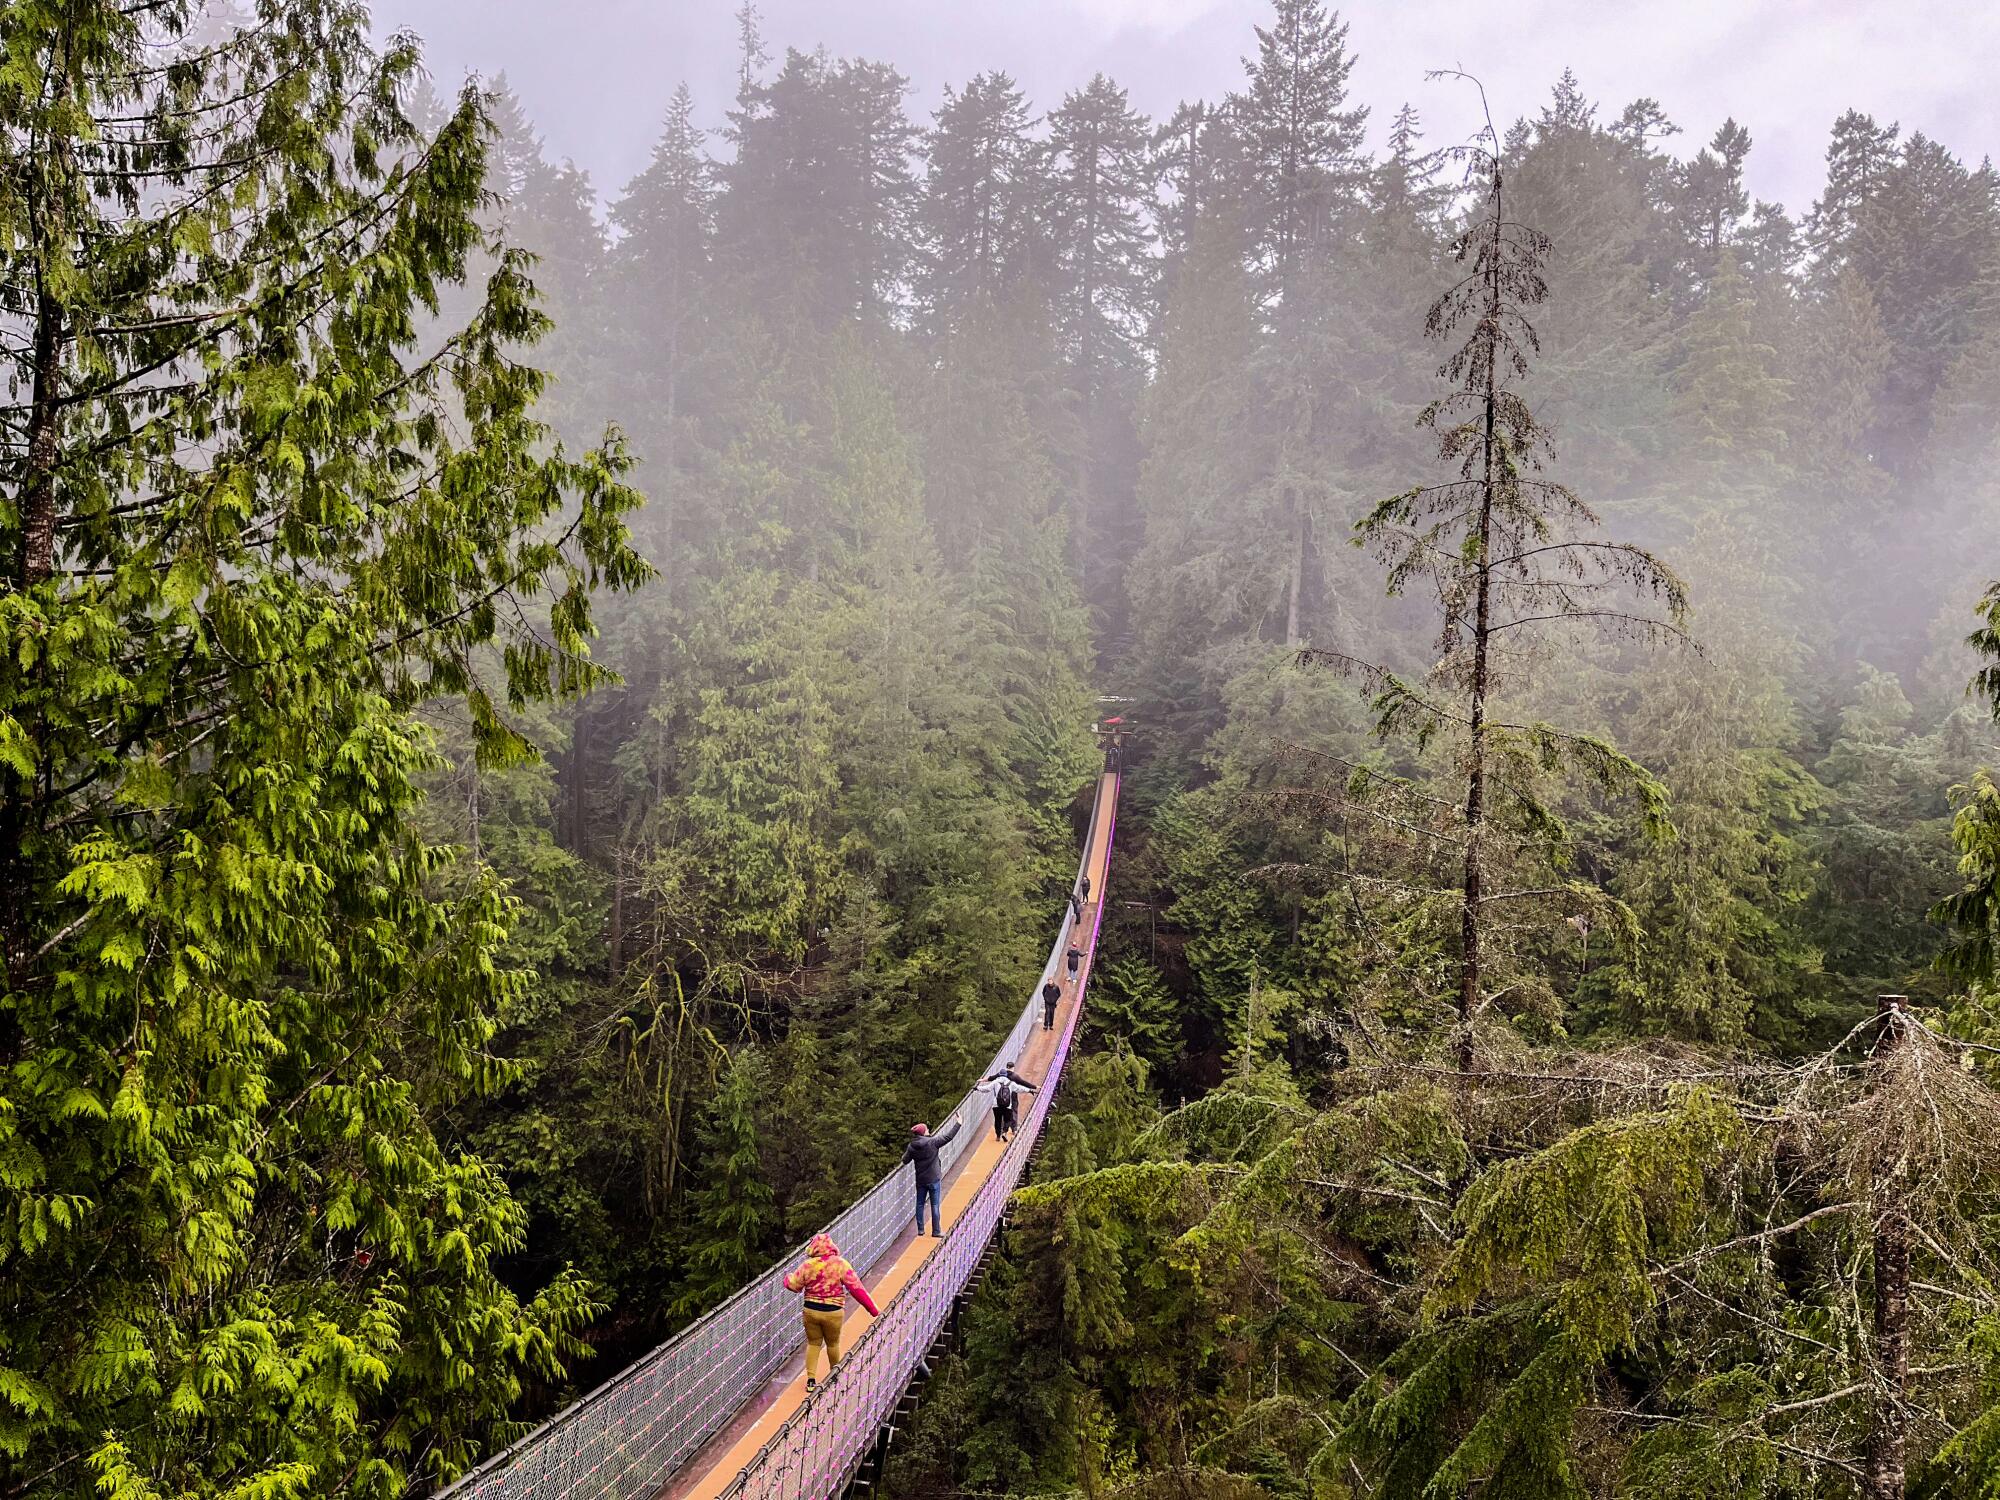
[822, 1328]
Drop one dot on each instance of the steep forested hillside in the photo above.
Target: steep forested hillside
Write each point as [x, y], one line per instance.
[1541, 576]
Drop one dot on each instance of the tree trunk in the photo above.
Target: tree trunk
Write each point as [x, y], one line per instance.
[578, 774]
[38, 483]
[617, 942]
[1475, 775]
[1889, 1428]
[1295, 584]
[35, 504]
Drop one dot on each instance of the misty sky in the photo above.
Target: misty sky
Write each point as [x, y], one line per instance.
[596, 74]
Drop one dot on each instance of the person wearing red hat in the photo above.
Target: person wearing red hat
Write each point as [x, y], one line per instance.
[922, 1153]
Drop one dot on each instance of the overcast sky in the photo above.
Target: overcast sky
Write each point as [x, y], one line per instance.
[596, 74]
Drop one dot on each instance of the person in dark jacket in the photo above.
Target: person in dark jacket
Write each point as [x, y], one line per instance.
[1051, 998]
[922, 1153]
[1073, 958]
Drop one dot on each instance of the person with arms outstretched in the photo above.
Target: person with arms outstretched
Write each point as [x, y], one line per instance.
[1002, 1088]
[922, 1153]
[1073, 958]
[826, 1280]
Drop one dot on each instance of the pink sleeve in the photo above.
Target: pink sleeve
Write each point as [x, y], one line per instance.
[853, 1284]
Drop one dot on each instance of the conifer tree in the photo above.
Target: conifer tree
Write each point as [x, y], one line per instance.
[1100, 192]
[1099, 173]
[1860, 154]
[1302, 139]
[981, 197]
[1709, 205]
[1193, 585]
[1406, 193]
[1592, 191]
[732, 1212]
[1507, 551]
[658, 272]
[820, 191]
[1193, 163]
[1925, 242]
[254, 518]
[1713, 198]
[1730, 400]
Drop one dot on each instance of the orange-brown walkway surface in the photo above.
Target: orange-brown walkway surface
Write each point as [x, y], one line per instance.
[709, 1472]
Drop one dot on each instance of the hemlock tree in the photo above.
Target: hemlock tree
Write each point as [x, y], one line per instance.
[1100, 192]
[1100, 185]
[249, 519]
[1513, 564]
[733, 1216]
[1303, 142]
[817, 202]
[979, 201]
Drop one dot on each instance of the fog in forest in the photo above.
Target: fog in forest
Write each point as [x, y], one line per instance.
[566, 569]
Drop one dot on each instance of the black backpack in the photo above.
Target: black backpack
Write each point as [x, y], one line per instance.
[1003, 1097]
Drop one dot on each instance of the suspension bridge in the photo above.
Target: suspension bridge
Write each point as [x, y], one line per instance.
[720, 1411]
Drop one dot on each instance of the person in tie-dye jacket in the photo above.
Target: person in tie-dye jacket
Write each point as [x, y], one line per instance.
[826, 1280]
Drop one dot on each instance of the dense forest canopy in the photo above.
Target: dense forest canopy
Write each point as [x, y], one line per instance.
[542, 724]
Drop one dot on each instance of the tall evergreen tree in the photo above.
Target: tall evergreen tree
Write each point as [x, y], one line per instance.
[981, 198]
[1927, 244]
[1302, 138]
[1100, 185]
[1859, 156]
[1594, 192]
[821, 189]
[1709, 206]
[1407, 193]
[1100, 191]
[550, 210]
[732, 1212]
[1193, 163]
[1729, 396]
[657, 278]
[252, 521]
[1507, 551]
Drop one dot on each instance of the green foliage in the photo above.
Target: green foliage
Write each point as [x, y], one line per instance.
[731, 1213]
[354, 1017]
[1974, 912]
[1885, 839]
[1716, 1453]
[1584, 1218]
[242, 988]
[1132, 1004]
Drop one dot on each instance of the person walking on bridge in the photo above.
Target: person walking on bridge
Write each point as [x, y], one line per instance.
[1051, 998]
[826, 1280]
[1073, 958]
[1002, 1086]
[922, 1153]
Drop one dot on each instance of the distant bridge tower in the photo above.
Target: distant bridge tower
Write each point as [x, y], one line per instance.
[1113, 729]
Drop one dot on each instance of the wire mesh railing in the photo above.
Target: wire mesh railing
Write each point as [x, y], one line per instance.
[815, 1453]
[625, 1439]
